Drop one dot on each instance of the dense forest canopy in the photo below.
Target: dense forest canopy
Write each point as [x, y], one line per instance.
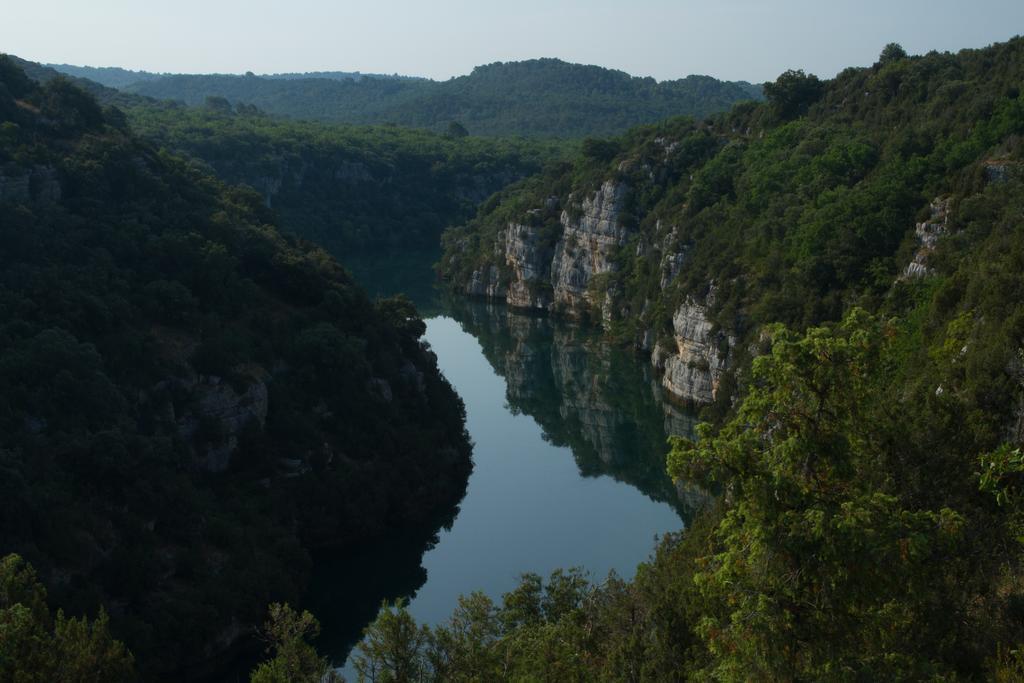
[348, 188]
[351, 189]
[537, 98]
[189, 400]
[116, 77]
[842, 263]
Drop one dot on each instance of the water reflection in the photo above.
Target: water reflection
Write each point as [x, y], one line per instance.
[569, 431]
[598, 400]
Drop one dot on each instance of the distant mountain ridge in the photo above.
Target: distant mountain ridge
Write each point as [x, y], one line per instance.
[116, 77]
[110, 76]
[538, 97]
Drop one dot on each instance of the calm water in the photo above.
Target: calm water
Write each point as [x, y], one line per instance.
[569, 451]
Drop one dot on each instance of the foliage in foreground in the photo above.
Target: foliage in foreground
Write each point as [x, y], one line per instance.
[839, 550]
[37, 646]
[870, 463]
[295, 660]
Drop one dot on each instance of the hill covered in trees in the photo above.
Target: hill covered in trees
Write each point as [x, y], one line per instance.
[116, 77]
[835, 276]
[351, 189]
[348, 188]
[537, 98]
[190, 402]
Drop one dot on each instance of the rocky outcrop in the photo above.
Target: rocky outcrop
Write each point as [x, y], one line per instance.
[1000, 170]
[217, 415]
[529, 261]
[928, 234]
[211, 413]
[694, 367]
[541, 275]
[39, 185]
[587, 245]
[673, 255]
[486, 283]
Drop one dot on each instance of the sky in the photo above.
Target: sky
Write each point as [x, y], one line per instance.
[753, 40]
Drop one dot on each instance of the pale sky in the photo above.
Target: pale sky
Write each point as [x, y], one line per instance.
[752, 40]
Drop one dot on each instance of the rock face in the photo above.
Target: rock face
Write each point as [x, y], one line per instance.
[694, 368]
[537, 275]
[530, 264]
[40, 185]
[211, 413]
[487, 284]
[999, 171]
[541, 276]
[928, 234]
[587, 245]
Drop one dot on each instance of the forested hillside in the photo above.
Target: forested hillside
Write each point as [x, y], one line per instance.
[189, 401]
[348, 188]
[110, 76]
[540, 98]
[836, 276]
[115, 77]
[351, 189]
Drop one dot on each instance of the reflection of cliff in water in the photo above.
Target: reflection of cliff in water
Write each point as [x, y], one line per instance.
[585, 394]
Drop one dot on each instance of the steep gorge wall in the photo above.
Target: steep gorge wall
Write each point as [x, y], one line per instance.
[531, 272]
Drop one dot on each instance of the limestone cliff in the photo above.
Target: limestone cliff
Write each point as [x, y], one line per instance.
[211, 413]
[694, 367]
[562, 276]
[529, 263]
[587, 246]
[927, 234]
[534, 272]
[38, 184]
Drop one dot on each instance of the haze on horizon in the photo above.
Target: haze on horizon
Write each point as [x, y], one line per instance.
[751, 40]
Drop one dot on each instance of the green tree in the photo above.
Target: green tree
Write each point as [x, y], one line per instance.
[295, 660]
[394, 648]
[793, 93]
[465, 648]
[820, 568]
[218, 105]
[456, 130]
[35, 647]
[893, 52]
[18, 84]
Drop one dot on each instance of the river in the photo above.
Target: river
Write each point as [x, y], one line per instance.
[569, 439]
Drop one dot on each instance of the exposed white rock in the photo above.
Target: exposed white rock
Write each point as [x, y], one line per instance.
[224, 413]
[647, 341]
[40, 185]
[928, 234]
[530, 265]
[671, 266]
[486, 283]
[694, 370]
[999, 171]
[587, 245]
